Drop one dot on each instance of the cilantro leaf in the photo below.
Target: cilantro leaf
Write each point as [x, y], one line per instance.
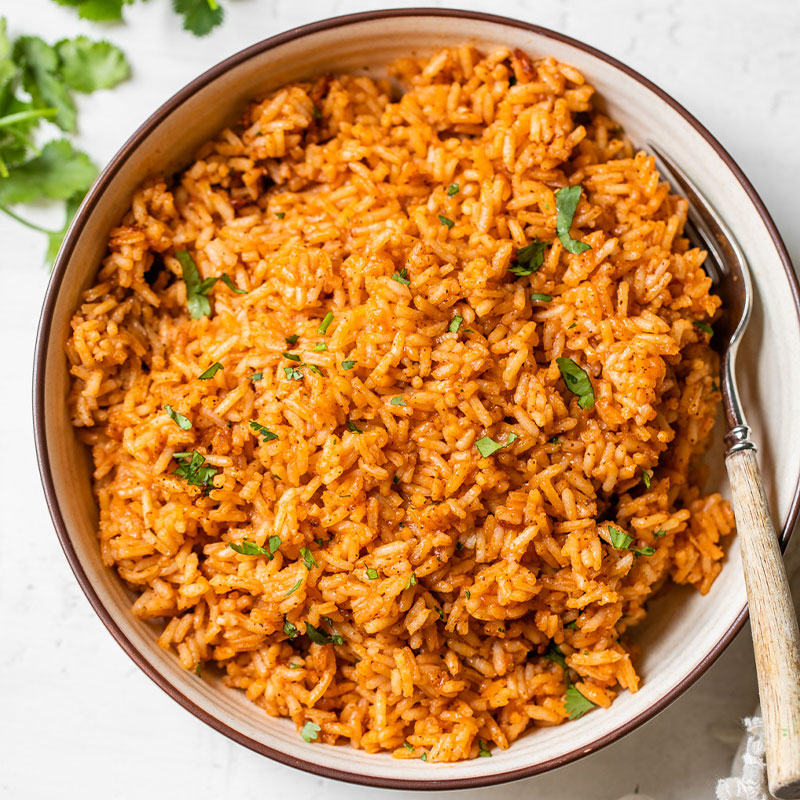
[554, 654]
[412, 581]
[372, 574]
[541, 298]
[348, 364]
[181, 421]
[226, 279]
[448, 223]
[646, 478]
[39, 64]
[488, 446]
[248, 548]
[703, 326]
[351, 426]
[310, 732]
[320, 637]
[576, 705]
[54, 238]
[290, 629]
[401, 277]
[566, 203]
[194, 469]
[483, 750]
[452, 190]
[87, 66]
[60, 173]
[529, 258]
[199, 16]
[210, 372]
[325, 324]
[397, 401]
[196, 289]
[455, 324]
[264, 431]
[308, 558]
[577, 381]
[644, 551]
[619, 539]
[294, 588]
[97, 10]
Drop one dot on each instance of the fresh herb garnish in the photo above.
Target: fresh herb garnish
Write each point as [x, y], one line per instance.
[483, 750]
[248, 548]
[455, 324]
[401, 277]
[308, 558]
[46, 76]
[294, 588]
[225, 278]
[348, 364]
[446, 222]
[280, 214]
[264, 431]
[467, 591]
[293, 374]
[397, 401]
[703, 326]
[312, 368]
[256, 376]
[572, 625]
[177, 418]
[196, 289]
[439, 612]
[372, 574]
[194, 469]
[291, 356]
[541, 298]
[210, 372]
[198, 669]
[659, 533]
[487, 446]
[644, 551]
[295, 666]
[310, 732]
[289, 629]
[529, 258]
[320, 637]
[351, 426]
[646, 478]
[619, 539]
[576, 705]
[291, 339]
[577, 381]
[566, 203]
[320, 347]
[408, 746]
[423, 757]
[452, 190]
[412, 581]
[554, 654]
[325, 324]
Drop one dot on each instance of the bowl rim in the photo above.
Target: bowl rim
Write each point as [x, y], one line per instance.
[94, 197]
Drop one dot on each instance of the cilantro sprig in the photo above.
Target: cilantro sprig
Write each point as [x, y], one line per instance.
[37, 81]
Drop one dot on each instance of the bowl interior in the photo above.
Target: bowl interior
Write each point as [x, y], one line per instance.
[683, 632]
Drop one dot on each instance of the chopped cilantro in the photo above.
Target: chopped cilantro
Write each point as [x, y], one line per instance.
[412, 581]
[577, 381]
[452, 190]
[423, 757]
[483, 750]
[248, 548]
[289, 629]
[646, 478]
[320, 637]
[210, 372]
[554, 654]
[199, 16]
[408, 746]
[644, 551]
[455, 324]
[372, 574]
[703, 326]
[351, 426]
[487, 446]
[310, 732]
[467, 592]
[293, 374]
[280, 214]
[566, 203]
[262, 430]
[397, 401]
[446, 222]
[401, 277]
[291, 356]
[177, 418]
[659, 533]
[295, 666]
[529, 258]
[320, 347]
[619, 539]
[348, 364]
[196, 289]
[312, 368]
[572, 625]
[308, 558]
[439, 612]
[294, 588]
[576, 705]
[325, 324]
[256, 376]
[198, 669]
[194, 470]
[541, 298]
[291, 339]
[225, 278]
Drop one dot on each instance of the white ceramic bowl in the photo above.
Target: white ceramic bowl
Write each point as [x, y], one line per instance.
[684, 632]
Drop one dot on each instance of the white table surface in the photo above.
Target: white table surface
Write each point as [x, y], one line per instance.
[77, 718]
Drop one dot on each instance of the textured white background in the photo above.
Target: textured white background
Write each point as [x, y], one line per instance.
[77, 718]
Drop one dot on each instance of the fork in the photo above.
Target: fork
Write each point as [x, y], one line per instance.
[772, 617]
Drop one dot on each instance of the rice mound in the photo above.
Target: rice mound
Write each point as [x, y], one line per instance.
[406, 593]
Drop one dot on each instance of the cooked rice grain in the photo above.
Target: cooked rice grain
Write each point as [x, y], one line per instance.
[312, 203]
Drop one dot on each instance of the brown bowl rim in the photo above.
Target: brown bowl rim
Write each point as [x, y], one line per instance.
[94, 197]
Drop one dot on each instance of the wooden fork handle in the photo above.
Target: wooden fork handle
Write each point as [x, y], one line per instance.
[773, 622]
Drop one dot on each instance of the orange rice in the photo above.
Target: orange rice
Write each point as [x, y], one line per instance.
[465, 598]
